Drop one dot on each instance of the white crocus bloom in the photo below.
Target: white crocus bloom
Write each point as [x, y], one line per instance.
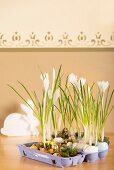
[103, 85]
[82, 81]
[44, 76]
[49, 93]
[56, 96]
[46, 84]
[72, 79]
[45, 79]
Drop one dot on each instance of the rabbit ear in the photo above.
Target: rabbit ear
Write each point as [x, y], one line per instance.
[30, 102]
[26, 108]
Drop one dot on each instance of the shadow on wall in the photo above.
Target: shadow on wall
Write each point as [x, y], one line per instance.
[14, 107]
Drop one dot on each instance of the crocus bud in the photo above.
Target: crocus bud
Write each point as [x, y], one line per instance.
[72, 78]
[46, 84]
[103, 85]
[56, 96]
[45, 79]
[44, 76]
[83, 81]
[49, 93]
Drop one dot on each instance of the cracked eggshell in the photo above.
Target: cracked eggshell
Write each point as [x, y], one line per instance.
[58, 140]
[102, 146]
[91, 149]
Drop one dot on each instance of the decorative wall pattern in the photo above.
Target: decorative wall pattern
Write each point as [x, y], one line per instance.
[57, 24]
[50, 40]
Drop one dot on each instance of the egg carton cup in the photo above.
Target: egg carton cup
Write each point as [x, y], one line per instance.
[58, 161]
[92, 157]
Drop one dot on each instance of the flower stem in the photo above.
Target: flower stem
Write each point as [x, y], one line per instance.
[44, 135]
[96, 136]
[102, 135]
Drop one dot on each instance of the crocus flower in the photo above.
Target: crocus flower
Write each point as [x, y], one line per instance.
[44, 76]
[56, 96]
[82, 81]
[72, 78]
[49, 93]
[45, 79]
[46, 84]
[103, 85]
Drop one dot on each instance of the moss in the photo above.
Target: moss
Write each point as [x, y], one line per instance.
[107, 140]
[68, 152]
[64, 151]
[73, 151]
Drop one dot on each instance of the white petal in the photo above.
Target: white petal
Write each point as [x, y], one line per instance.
[46, 84]
[49, 93]
[83, 81]
[44, 76]
[72, 78]
[103, 85]
[45, 79]
[56, 96]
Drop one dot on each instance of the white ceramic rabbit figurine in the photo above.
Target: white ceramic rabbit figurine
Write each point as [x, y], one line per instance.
[17, 124]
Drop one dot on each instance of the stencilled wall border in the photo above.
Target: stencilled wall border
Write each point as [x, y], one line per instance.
[49, 40]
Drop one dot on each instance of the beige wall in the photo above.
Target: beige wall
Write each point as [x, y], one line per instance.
[23, 66]
[57, 17]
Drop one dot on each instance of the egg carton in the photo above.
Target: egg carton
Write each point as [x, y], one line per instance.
[58, 161]
[92, 157]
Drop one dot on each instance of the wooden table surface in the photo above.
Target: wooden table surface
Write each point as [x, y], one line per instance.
[10, 158]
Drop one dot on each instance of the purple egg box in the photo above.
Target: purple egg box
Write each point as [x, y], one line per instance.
[49, 158]
[95, 156]
[92, 157]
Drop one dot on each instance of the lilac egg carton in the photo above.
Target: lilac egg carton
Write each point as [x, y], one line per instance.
[92, 157]
[49, 158]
